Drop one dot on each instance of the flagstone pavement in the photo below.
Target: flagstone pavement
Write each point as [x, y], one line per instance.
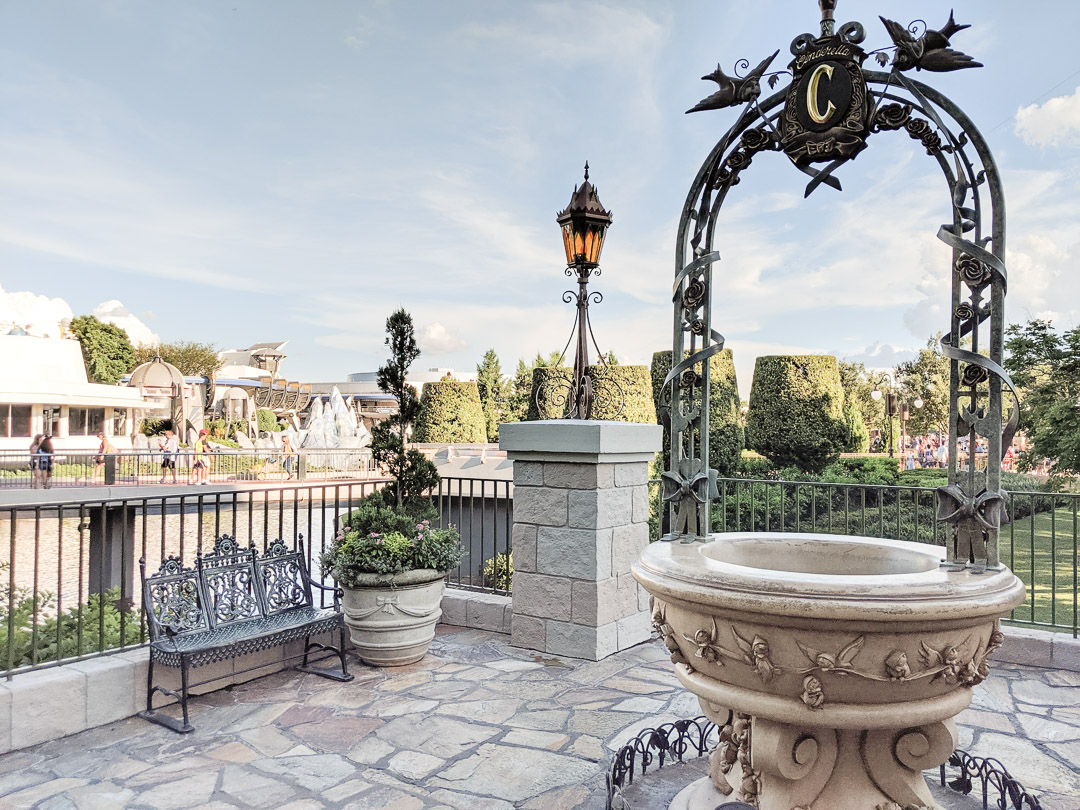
[476, 725]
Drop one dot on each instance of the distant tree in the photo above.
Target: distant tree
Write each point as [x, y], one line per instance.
[489, 380]
[413, 473]
[611, 359]
[107, 352]
[192, 359]
[926, 378]
[520, 395]
[1045, 366]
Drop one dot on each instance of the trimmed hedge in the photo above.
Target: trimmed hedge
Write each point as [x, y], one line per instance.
[267, 421]
[549, 409]
[726, 436]
[638, 405]
[635, 382]
[796, 415]
[858, 437]
[450, 412]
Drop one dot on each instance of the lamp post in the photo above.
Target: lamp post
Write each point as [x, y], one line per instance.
[894, 407]
[584, 223]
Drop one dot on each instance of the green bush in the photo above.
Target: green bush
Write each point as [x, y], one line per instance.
[450, 412]
[726, 436]
[553, 405]
[636, 385]
[924, 477]
[857, 439]
[267, 421]
[155, 427]
[796, 411]
[499, 572]
[378, 539]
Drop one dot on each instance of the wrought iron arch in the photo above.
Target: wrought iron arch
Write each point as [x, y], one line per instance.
[879, 101]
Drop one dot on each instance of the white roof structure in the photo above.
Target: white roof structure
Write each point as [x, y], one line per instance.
[36, 370]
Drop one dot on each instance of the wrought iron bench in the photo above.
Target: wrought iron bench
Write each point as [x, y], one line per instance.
[233, 602]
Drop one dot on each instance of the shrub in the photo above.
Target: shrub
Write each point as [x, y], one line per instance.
[450, 411]
[726, 436]
[499, 572]
[857, 439]
[155, 427]
[378, 539]
[553, 407]
[267, 421]
[796, 411]
[636, 385]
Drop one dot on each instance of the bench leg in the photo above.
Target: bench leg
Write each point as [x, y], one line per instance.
[310, 645]
[171, 723]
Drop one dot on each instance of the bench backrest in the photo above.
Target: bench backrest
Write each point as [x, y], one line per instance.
[174, 600]
[283, 578]
[230, 586]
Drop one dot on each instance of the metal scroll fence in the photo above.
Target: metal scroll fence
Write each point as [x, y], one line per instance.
[1040, 543]
[69, 567]
[136, 468]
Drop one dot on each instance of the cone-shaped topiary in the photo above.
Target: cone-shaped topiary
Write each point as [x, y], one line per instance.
[726, 439]
[796, 413]
[636, 385]
[553, 401]
[450, 411]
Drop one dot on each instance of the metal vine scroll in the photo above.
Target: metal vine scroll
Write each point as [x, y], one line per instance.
[822, 120]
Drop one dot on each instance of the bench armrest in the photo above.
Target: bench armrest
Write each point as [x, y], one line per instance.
[336, 590]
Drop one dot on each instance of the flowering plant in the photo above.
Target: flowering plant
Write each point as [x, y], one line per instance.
[377, 539]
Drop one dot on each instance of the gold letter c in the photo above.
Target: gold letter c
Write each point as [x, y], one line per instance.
[816, 115]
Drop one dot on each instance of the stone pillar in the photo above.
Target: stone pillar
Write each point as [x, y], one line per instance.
[581, 516]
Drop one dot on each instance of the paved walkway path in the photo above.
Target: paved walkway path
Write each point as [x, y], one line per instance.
[477, 725]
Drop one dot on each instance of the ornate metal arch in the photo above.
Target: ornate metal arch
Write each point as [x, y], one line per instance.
[797, 121]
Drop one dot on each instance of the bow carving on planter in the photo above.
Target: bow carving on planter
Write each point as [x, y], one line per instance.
[976, 521]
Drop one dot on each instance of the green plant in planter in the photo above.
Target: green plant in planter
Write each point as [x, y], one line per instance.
[378, 539]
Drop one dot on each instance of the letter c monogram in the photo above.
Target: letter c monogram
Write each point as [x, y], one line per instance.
[815, 113]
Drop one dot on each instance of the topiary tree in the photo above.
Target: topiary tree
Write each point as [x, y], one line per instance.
[107, 351]
[493, 390]
[726, 435]
[796, 415]
[413, 474]
[267, 421]
[636, 385]
[857, 438]
[450, 411]
[549, 409]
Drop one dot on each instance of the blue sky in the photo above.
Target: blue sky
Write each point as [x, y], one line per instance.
[241, 171]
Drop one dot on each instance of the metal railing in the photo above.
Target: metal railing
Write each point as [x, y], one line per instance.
[1040, 544]
[69, 575]
[140, 468]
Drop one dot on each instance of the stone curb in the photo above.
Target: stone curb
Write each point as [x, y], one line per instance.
[477, 610]
[1039, 648]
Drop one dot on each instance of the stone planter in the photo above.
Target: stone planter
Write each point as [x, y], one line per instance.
[833, 665]
[392, 621]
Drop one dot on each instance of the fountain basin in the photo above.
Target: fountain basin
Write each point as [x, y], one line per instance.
[833, 663]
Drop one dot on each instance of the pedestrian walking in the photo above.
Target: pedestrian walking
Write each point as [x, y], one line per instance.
[104, 449]
[170, 448]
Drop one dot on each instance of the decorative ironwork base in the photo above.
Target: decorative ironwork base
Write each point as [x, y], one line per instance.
[689, 739]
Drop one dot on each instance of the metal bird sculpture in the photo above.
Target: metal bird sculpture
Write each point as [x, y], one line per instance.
[733, 90]
[931, 51]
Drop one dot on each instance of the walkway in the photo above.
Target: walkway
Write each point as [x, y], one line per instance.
[477, 725]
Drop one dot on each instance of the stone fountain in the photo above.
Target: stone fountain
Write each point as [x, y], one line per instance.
[834, 665]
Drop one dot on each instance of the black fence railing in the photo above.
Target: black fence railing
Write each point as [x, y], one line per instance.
[19, 469]
[69, 568]
[1040, 542]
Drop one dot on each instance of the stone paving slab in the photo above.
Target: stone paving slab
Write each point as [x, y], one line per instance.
[476, 725]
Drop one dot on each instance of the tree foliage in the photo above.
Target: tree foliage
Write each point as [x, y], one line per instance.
[726, 434]
[450, 411]
[107, 352]
[493, 389]
[796, 411]
[519, 399]
[1045, 365]
[927, 378]
[413, 474]
[192, 359]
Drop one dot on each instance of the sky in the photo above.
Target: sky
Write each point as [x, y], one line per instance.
[240, 171]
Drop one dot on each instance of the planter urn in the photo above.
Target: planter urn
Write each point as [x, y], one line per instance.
[832, 665]
[392, 618]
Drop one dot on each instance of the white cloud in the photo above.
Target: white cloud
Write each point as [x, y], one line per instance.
[38, 314]
[1054, 123]
[114, 312]
[436, 339]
